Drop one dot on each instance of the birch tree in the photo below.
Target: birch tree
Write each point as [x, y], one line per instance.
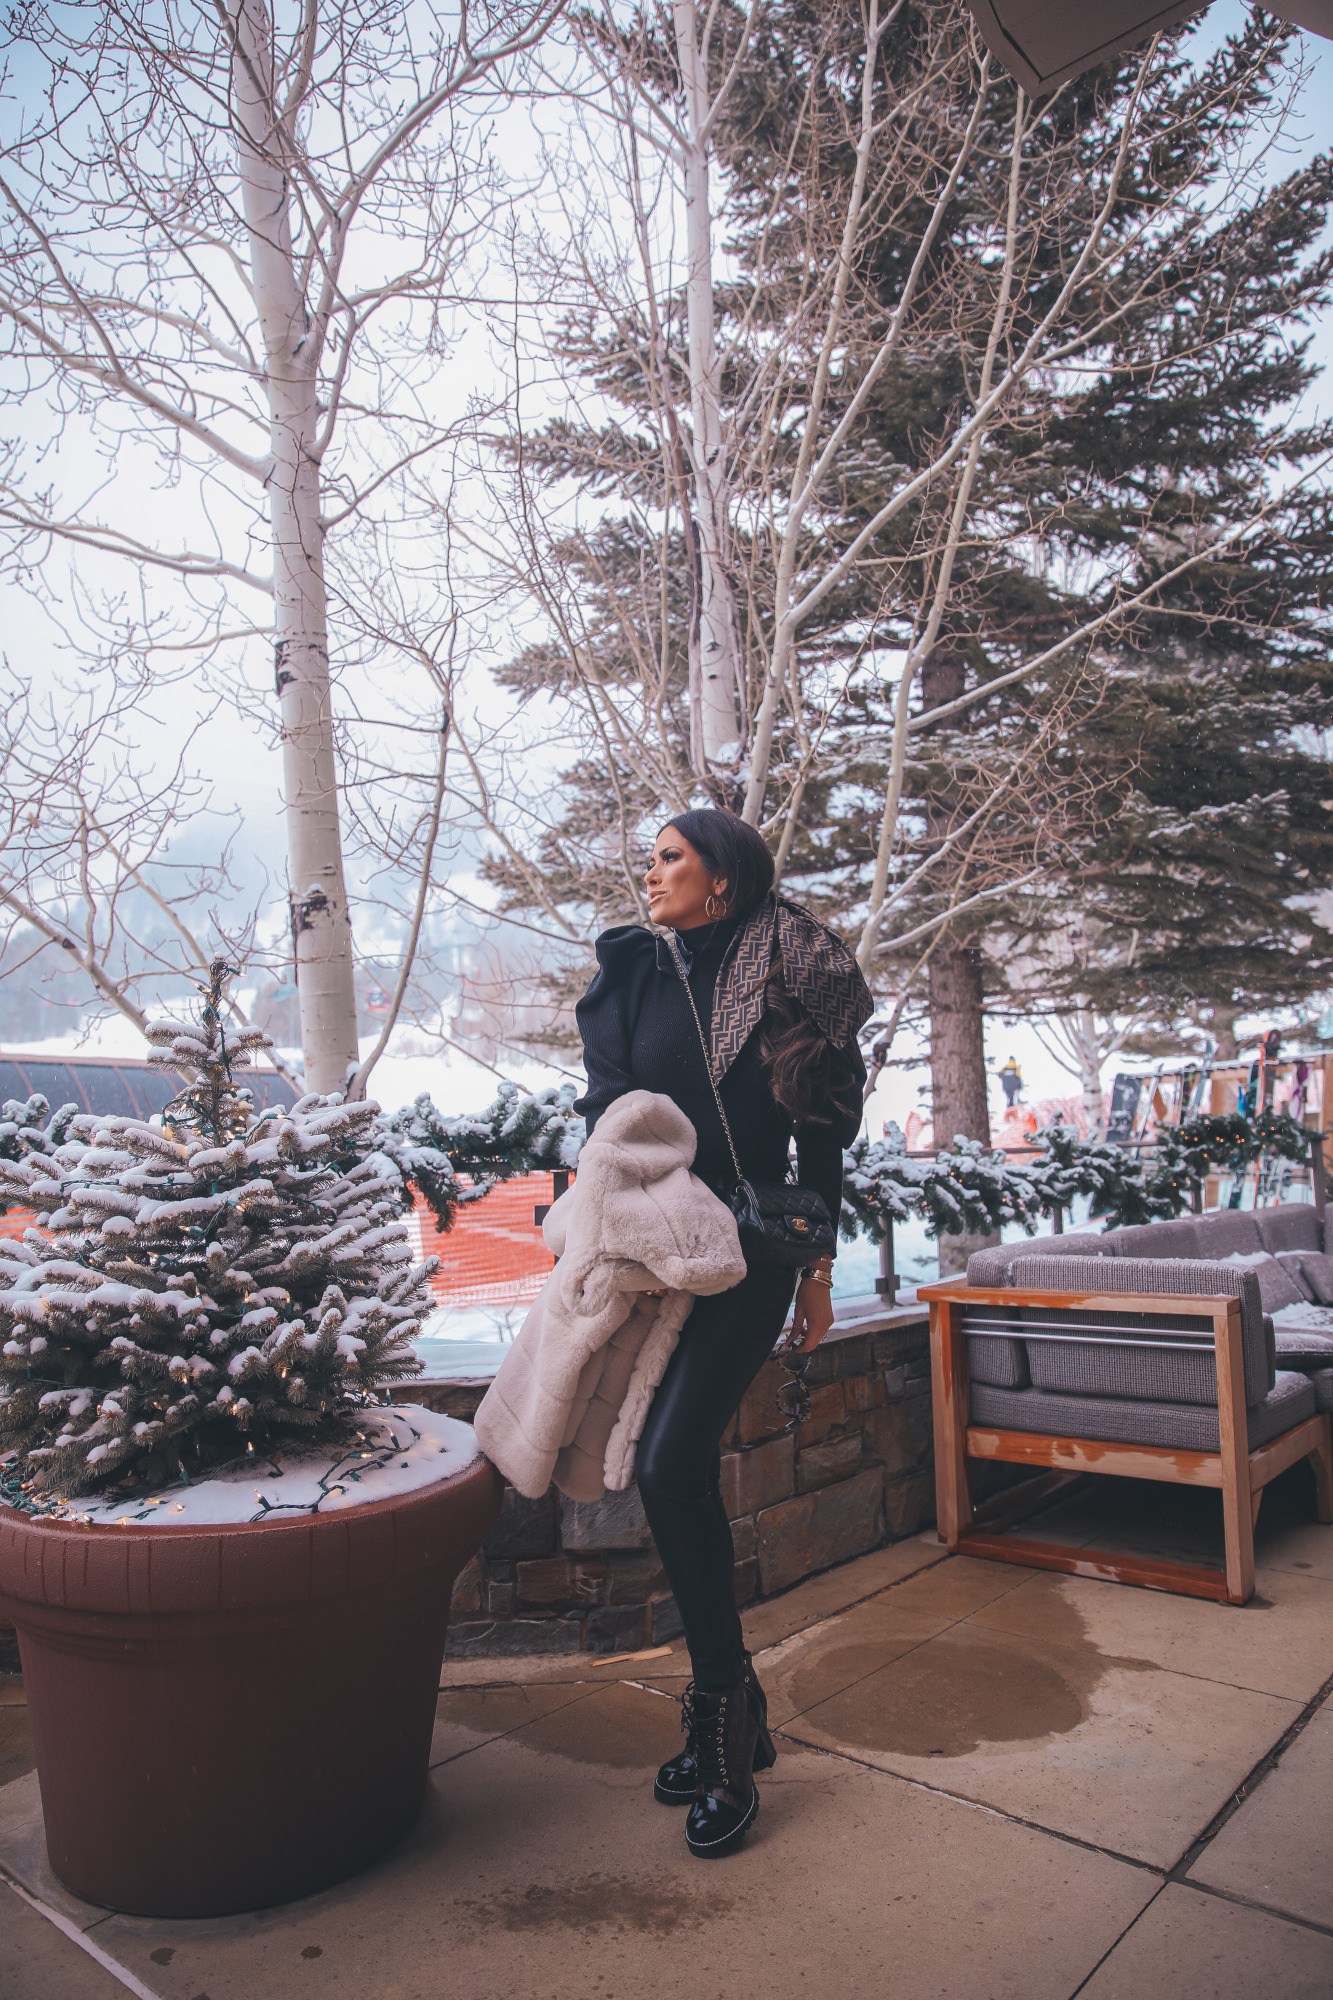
[675, 71]
[101, 840]
[1081, 1044]
[230, 239]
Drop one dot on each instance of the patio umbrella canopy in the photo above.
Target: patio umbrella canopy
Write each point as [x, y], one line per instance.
[1043, 43]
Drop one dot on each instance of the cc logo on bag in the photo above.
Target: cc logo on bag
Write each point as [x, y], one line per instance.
[799, 1222]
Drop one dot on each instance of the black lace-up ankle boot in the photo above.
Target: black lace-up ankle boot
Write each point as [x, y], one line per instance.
[676, 1783]
[765, 1749]
[726, 1733]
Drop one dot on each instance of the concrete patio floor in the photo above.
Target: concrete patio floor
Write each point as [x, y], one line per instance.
[991, 1781]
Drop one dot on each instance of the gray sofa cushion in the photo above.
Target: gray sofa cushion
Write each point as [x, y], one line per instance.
[1317, 1276]
[1305, 1349]
[1322, 1384]
[1277, 1286]
[1225, 1231]
[1170, 1370]
[988, 1268]
[1003, 1362]
[1089, 1368]
[1291, 1262]
[1159, 1239]
[1174, 1426]
[1294, 1225]
[1074, 1243]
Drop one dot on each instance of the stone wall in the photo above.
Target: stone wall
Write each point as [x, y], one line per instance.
[559, 1576]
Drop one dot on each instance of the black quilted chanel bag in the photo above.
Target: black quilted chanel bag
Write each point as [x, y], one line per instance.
[778, 1222]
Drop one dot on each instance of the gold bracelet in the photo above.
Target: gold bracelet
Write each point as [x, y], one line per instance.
[818, 1277]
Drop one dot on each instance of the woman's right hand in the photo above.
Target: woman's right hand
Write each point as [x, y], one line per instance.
[812, 1314]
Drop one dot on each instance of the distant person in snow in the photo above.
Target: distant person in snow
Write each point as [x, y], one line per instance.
[1011, 1082]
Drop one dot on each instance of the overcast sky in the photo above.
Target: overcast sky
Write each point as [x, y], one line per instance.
[244, 761]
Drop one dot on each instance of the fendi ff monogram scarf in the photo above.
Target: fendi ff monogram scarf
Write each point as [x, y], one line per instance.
[817, 969]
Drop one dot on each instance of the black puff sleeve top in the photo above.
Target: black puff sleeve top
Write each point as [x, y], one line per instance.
[639, 1034]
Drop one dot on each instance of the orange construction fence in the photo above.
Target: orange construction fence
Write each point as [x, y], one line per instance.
[493, 1255]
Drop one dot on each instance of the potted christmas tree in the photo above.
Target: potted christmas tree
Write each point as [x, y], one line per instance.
[229, 1559]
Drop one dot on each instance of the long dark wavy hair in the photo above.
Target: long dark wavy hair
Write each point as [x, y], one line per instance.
[795, 1052]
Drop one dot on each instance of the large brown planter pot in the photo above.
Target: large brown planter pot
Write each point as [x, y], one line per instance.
[228, 1717]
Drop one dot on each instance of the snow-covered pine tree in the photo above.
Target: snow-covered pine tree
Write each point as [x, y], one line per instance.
[217, 1284]
[31, 1128]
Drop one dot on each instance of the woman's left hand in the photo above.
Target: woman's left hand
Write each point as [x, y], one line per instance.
[812, 1314]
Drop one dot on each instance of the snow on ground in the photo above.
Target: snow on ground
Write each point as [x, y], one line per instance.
[467, 1343]
[396, 1452]
[114, 1037]
[456, 1081]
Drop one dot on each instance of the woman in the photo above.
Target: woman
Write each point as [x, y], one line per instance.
[779, 1000]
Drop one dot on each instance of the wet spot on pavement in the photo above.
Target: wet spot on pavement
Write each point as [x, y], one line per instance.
[597, 1902]
[968, 1687]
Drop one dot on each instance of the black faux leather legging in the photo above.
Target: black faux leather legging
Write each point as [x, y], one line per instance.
[723, 1344]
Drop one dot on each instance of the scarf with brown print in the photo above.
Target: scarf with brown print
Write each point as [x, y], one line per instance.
[817, 969]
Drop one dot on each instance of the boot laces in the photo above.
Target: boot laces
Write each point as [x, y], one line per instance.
[710, 1745]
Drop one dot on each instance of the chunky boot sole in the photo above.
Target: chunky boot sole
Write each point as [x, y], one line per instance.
[712, 1850]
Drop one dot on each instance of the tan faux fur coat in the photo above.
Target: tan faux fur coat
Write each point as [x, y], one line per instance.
[571, 1395]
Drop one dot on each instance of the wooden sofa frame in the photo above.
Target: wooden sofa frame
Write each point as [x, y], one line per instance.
[1240, 1473]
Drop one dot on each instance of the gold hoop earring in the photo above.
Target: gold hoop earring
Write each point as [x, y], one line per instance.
[715, 907]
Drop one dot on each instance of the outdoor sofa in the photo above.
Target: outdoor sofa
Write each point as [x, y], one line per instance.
[1147, 1353]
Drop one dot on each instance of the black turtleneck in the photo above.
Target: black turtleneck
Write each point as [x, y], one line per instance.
[639, 1034]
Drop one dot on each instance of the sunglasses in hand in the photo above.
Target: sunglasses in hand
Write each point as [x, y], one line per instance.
[793, 1397]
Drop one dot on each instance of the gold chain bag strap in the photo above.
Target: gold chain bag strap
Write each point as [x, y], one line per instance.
[779, 1222]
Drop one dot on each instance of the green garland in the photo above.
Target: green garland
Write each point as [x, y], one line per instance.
[966, 1189]
[969, 1190]
[518, 1133]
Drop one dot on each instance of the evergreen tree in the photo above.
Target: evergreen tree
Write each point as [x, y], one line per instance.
[1175, 809]
[1169, 782]
[31, 1130]
[212, 1285]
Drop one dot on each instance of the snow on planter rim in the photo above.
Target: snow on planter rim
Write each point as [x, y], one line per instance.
[397, 1451]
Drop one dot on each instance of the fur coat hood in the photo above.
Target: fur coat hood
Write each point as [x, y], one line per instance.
[570, 1398]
